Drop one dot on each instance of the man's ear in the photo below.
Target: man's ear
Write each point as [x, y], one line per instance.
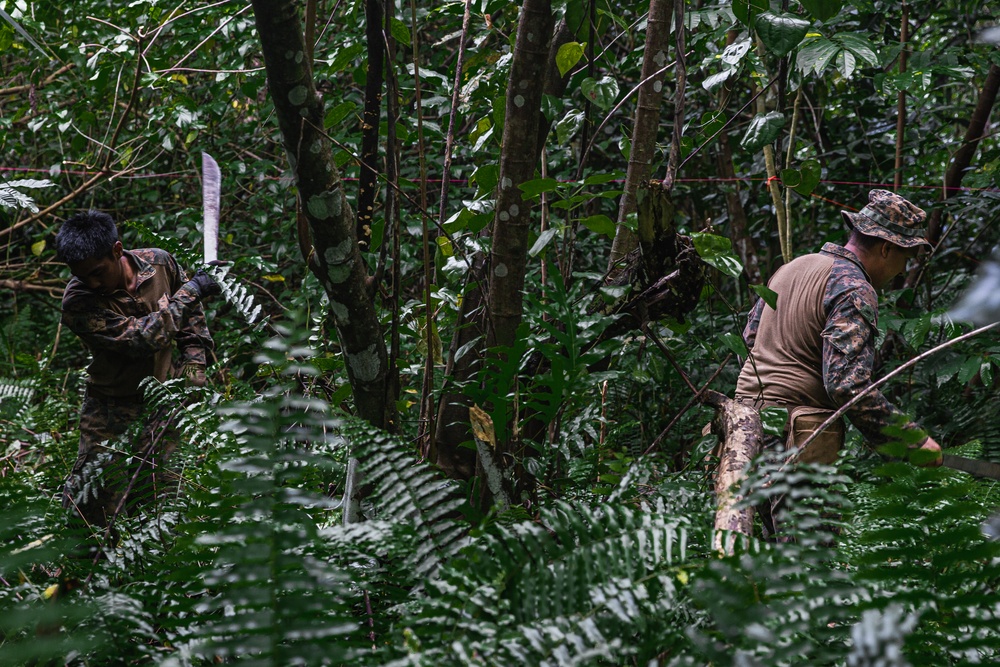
[117, 249]
[886, 249]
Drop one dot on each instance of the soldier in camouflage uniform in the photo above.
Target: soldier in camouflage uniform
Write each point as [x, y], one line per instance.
[130, 309]
[815, 351]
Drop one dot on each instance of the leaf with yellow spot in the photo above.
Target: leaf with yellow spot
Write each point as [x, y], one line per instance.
[274, 278]
[50, 591]
[37, 248]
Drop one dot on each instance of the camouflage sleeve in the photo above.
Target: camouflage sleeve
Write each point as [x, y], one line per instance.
[753, 323]
[133, 337]
[848, 358]
[194, 341]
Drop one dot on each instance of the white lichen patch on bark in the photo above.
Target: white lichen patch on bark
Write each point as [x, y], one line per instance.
[365, 364]
[298, 95]
[325, 206]
[338, 261]
[340, 313]
[500, 271]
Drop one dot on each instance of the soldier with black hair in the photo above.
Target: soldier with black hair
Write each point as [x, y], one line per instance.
[131, 309]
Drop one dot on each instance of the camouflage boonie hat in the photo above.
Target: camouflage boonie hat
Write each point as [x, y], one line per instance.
[888, 216]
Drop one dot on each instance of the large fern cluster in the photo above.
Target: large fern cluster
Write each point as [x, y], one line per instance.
[251, 563]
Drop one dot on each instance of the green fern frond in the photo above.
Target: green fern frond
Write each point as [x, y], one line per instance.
[410, 493]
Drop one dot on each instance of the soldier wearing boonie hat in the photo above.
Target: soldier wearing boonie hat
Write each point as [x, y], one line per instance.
[892, 218]
[815, 350]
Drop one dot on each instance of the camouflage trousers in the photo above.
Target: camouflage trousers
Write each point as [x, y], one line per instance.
[121, 460]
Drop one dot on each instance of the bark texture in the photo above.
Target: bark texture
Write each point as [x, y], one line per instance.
[518, 160]
[646, 123]
[334, 258]
[739, 430]
[453, 408]
[970, 143]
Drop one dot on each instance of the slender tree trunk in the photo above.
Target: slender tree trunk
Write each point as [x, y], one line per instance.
[465, 353]
[368, 178]
[970, 143]
[335, 258]
[645, 125]
[518, 161]
[739, 226]
[904, 35]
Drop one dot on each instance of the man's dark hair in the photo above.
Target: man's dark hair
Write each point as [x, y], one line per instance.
[864, 241]
[86, 235]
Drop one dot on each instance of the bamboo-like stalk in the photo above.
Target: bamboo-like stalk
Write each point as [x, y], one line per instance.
[904, 30]
[789, 154]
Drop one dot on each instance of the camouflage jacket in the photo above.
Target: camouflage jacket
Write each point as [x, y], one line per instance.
[132, 337]
[847, 340]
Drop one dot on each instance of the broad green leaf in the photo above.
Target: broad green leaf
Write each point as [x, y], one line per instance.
[747, 10]
[458, 221]
[717, 251]
[764, 128]
[686, 146]
[809, 173]
[568, 56]
[567, 128]
[37, 248]
[734, 53]
[791, 178]
[537, 187]
[400, 32]
[859, 46]
[601, 179]
[774, 420]
[712, 122]
[486, 178]
[969, 369]
[600, 224]
[846, 64]
[780, 32]
[713, 82]
[445, 246]
[542, 241]
[603, 93]
[735, 343]
[824, 10]
[816, 55]
[769, 295]
[612, 293]
[338, 113]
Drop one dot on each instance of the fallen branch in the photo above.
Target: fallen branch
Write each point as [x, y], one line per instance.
[740, 431]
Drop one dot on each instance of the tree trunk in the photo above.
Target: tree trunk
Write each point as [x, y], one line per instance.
[518, 161]
[335, 258]
[963, 156]
[646, 124]
[453, 408]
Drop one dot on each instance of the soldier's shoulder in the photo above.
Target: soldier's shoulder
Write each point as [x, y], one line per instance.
[155, 256]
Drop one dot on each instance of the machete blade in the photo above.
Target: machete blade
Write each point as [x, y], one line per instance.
[972, 466]
[211, 190]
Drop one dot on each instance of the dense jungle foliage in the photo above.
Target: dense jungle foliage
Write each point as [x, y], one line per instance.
[584, 537]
